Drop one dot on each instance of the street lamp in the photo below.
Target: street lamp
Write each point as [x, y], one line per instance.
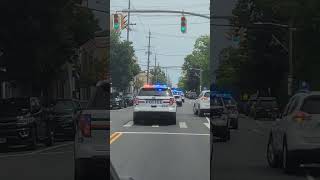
[290, 50]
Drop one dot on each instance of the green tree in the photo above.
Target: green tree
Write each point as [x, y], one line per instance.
[198, 59]
[39, 37]
[123, 65]
[266, 62]
[158, 75]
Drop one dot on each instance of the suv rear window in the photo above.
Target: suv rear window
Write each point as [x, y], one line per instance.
[155, 92]
[100, 99]
[311, 105]
[216, 101]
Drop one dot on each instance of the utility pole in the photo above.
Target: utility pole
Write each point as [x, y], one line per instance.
[155, 67]
[148, 58]
[128, 28]
[290, 75]
[167, 77]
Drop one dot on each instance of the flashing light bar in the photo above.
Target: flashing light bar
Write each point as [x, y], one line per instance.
[155, 86]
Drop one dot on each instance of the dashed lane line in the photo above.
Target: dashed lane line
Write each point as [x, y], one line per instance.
[128, 124]
[183, 125]
[207, 124]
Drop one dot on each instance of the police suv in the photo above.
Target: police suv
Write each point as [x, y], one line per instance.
[154, 101]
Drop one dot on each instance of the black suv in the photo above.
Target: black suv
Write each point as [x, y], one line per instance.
[24, 121]
[265, 107]
[65, 112]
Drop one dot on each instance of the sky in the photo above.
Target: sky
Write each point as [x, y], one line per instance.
[167, 41]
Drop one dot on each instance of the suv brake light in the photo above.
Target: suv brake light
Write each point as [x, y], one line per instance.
[301, 116]
[85, 125]
[137, 101]
[172, 101]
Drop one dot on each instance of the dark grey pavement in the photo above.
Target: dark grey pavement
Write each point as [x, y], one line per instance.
[244, 156]
[50, 163]
[156, 152]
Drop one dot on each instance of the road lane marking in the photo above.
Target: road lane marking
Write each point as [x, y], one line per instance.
[207, 124]
[128, 124]
[36, 152]
[155, 126]
[183, 125]
[208, 120]
[115, 137]
[166, 133]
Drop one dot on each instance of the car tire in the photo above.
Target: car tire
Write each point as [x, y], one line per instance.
[236, 124]
[173, 119]
[272, 157]
[288, 163]
[228, 135]
[135, 120]
[200, 113]
[79, 171]
[194, 110]
[50, 138]
[34, 140]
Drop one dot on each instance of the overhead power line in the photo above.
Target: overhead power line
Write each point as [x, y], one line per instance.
[171, 54]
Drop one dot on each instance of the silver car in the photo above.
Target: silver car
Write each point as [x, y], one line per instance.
[91, 146]
[295, 137]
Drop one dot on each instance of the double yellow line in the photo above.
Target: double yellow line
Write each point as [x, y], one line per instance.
[115, 136]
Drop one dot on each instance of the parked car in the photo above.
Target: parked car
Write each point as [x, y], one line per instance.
[65, 112]
[252, 100]
[129, 99]
[25, 122]
[202, 104]
[192, 95]
[294, 138]
[231, 105]
[219, 121]
[91, 145]
[265, 107]
[117, 102]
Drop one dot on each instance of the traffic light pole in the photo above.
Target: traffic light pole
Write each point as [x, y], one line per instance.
[128, 28]
[175, 12]
[291, 29]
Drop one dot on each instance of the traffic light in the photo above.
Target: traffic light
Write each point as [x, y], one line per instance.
[183, 24]
[123, 21]
[116, 23]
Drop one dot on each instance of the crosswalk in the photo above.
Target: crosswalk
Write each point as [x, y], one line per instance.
[181, 125]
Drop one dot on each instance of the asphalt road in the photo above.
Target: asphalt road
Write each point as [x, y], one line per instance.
[244, 156]
[156, 152]
[50, 163]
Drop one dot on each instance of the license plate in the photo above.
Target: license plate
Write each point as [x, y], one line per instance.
[153, 101]
[3, 140]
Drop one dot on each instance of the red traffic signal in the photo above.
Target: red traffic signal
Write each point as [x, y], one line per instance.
[183, 24]
[116, 24]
